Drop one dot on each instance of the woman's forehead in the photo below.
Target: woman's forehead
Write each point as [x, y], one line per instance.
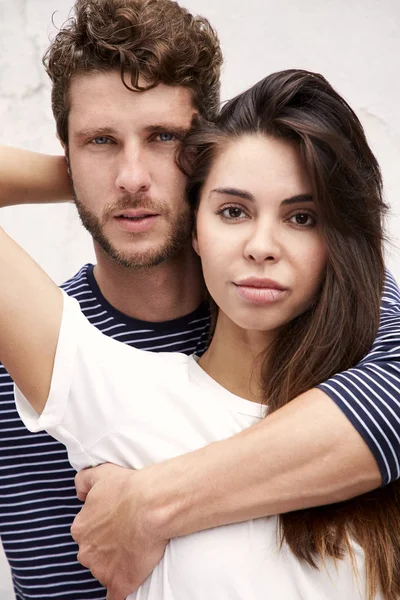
[258, 163]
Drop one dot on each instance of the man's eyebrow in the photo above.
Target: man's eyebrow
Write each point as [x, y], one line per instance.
[95, 132]
[168, 128]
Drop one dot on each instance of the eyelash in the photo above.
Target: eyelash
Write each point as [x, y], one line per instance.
[100, 137]
[175, 137]
[303, 212]
[221, 211]
[153, 138]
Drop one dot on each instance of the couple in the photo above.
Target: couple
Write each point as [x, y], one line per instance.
[122, 161]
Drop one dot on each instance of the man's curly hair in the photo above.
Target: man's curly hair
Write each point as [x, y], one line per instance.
[155, 40]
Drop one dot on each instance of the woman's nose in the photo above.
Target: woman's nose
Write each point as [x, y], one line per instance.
[263, 243]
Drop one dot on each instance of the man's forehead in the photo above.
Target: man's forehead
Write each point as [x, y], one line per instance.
[97, 98]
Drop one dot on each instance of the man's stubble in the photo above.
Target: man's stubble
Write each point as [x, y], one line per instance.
[177, 238]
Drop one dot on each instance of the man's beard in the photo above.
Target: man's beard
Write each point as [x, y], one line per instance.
[178, 239]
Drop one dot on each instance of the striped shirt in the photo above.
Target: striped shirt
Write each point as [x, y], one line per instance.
[369, 393]
[37, 493]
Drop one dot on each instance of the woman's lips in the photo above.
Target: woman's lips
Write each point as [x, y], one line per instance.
[260, 291]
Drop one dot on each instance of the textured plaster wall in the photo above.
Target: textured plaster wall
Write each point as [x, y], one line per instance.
[354, 43]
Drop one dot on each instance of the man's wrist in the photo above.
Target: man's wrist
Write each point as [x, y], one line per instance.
[267, 469]
[163, 498]
[192, 492]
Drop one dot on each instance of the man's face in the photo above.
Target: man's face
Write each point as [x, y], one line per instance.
[122, 146]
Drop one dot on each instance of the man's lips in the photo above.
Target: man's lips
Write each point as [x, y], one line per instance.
[259, 290]
[136, 213]
[136, 220]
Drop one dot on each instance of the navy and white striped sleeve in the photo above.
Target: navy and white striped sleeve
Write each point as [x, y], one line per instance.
[369, 393]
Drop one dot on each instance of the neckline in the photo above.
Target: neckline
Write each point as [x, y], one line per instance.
[241, 405]
[201, 312]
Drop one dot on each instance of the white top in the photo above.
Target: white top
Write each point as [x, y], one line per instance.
[110, 402]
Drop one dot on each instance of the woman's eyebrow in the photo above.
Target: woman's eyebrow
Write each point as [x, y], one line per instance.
[238, 193]
[298, 198]
[233, 192]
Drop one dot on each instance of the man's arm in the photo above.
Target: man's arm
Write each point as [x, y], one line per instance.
[369, 394]
[319, 448]
[305, 454]
[327, 445]
[29, 177]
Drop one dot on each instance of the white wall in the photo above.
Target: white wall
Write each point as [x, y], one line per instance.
[354, 43]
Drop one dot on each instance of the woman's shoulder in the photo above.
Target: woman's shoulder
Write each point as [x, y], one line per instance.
[104, 349]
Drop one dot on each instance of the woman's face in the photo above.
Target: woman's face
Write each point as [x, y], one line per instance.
[257, 233]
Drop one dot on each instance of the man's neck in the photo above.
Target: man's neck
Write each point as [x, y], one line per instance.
[171, 290]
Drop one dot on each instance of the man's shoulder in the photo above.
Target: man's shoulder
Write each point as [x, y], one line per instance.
[187, 334]
[78, 281]
[390, 296]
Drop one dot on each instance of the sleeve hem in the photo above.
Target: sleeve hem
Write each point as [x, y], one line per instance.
[344, 402]
[62, 376]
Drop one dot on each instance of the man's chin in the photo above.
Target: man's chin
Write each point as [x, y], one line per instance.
[137, 259]
[142, 252]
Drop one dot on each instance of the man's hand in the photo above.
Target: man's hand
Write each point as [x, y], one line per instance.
[264, 470]
[118, 540]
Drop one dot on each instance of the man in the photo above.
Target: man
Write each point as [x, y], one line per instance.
[120, 128]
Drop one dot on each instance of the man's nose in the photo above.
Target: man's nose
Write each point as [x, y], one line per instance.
[133, 172]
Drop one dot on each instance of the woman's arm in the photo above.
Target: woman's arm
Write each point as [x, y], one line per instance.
[29, 177]
[30, 317]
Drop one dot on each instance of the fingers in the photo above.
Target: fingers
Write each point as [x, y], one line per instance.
[75, 532]
[119, 592]
[77, 529]
[111, 595]
[84, 558]
[85, 480]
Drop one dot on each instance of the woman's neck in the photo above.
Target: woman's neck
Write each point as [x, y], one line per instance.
[235, 357]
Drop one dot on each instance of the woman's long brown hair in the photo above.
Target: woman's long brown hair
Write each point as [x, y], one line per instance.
[339, 329]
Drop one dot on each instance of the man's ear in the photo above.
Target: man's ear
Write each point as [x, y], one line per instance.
[65, 148]
[195, 242]
[67, 161]
[62, 143]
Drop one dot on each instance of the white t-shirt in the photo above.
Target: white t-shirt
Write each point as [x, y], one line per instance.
[109, 402]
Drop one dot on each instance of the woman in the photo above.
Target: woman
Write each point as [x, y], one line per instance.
[288, 204]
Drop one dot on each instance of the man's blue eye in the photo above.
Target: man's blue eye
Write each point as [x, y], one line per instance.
[100, 140]
[166, 137]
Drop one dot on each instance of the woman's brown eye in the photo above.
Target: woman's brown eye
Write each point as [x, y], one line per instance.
[304, 219]
[234, 212]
